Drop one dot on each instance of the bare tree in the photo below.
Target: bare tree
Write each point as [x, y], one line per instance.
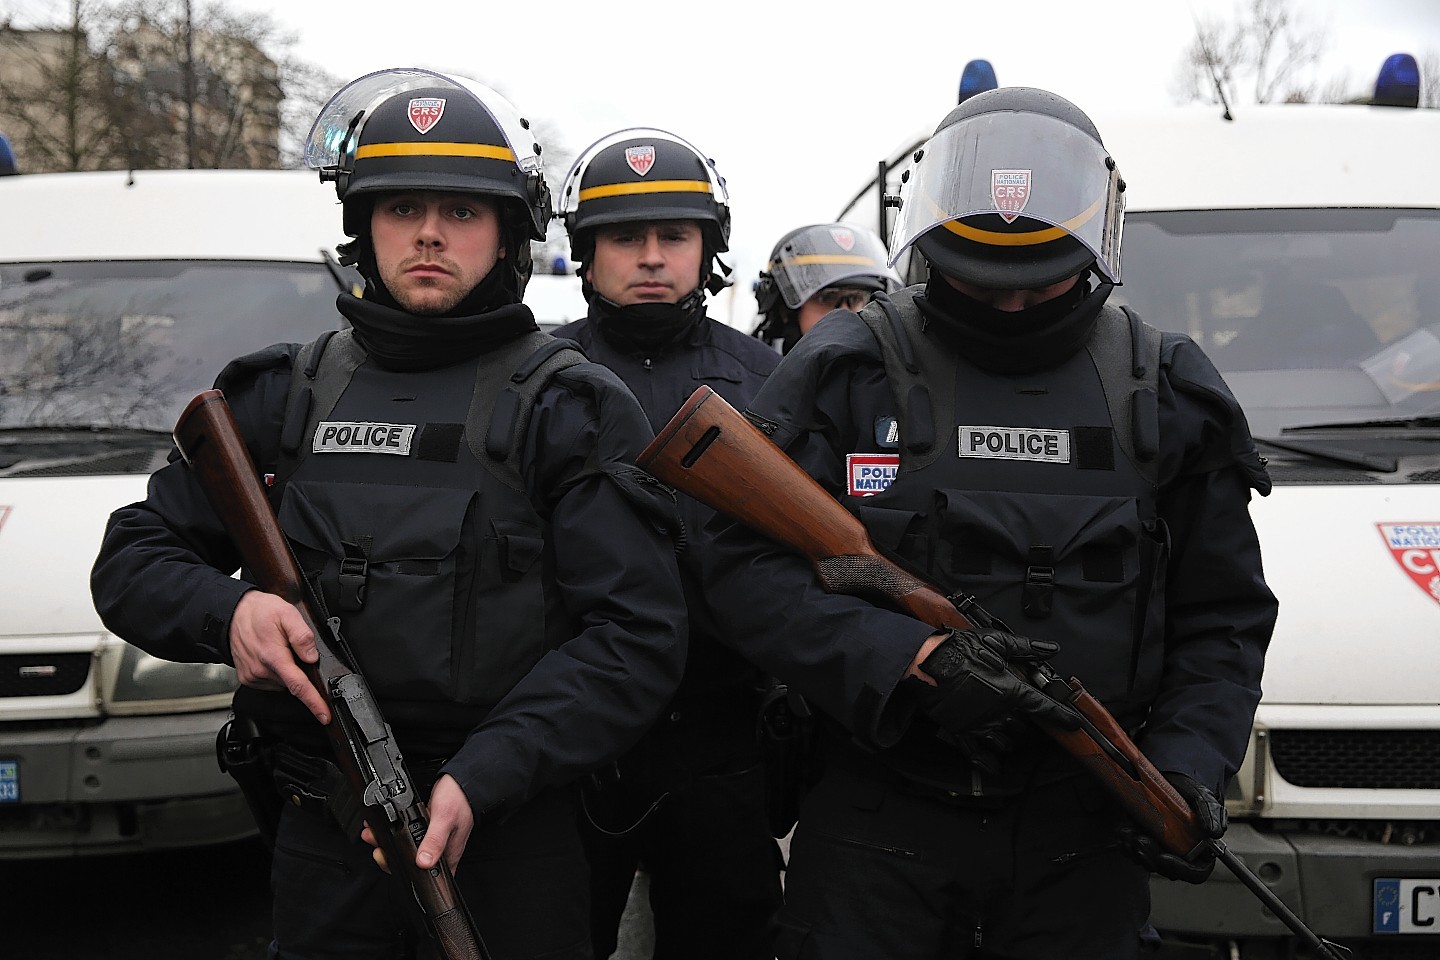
[1268, 51]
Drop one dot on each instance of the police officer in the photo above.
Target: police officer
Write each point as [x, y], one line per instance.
[502, 575]
[816, 269]
[648, 216]
[1087, 479]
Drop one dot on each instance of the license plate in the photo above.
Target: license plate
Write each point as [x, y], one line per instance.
[1407, 906]
[9, 781]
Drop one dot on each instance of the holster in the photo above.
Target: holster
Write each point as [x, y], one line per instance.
[317, 785]
[786, 728]
[246, 755]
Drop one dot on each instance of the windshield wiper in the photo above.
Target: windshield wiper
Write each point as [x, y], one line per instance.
[1346, 458]
[1428, 422]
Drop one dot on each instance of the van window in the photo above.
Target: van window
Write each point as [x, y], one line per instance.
[127, 344]
[1323, 309]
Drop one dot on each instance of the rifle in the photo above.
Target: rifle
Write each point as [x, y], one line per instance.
[362, 742]
[713, 453]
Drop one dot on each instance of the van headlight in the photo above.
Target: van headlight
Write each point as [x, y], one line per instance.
[143, 679]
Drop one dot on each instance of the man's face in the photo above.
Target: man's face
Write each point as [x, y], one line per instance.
[837, 297]
[433, 248]
[649, 262]
[1012, 301]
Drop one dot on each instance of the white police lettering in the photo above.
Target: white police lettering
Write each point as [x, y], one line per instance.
[1015, 443]
[338, 437]
[870, 473]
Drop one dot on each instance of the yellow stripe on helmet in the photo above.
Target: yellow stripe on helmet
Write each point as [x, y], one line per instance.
[995, 238]
[831, 258]
[652, 186]
[437, 149]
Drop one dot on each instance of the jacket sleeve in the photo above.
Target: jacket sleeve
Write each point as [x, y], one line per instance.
[845, 655]
[1220, 613]
[162, 580]
[587, 701]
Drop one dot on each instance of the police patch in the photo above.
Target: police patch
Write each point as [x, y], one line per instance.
[425, 112]
[870, 473]
[1010, 190]
[640, 159]
[843, 237]
[887, 433]
[1015, 443]
[339, 437]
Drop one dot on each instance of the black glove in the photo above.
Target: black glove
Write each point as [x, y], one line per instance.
[973, 685]
[1211, 816]
[988, 744]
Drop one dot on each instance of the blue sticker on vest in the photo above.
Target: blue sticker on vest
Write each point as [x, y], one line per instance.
[870, 473]
[887, 433]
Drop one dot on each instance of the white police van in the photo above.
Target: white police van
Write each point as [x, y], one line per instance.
[121, 296]
[1300, 246]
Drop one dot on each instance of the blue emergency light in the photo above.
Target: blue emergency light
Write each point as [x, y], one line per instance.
[977, 77]
[559, 266]
[7, 158]
[1398, 84]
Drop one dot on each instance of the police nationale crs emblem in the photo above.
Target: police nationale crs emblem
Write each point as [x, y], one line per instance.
[640, 159]
[1010, 189]
[845, 238]
[1416, 547]
[425, 112]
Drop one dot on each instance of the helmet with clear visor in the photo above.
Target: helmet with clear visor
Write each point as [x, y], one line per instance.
[1015, 190]
[809, 259]
[414, 129]
[643, 174]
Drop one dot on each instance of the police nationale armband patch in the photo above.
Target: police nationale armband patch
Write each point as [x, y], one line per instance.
[340, 437]
[1015, 443]
[870, 473]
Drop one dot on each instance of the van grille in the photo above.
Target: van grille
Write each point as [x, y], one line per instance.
[1302, 475]
[42, 675]
[1358, 759]
[120, 462]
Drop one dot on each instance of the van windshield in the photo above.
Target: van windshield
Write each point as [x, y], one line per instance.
[1311, 315]
[127, 344]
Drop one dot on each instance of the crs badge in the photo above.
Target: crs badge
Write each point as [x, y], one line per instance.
[1416, 547]
[1010, 190]
[640, 159]
[844, 237]
[425, 112]
[870, 473]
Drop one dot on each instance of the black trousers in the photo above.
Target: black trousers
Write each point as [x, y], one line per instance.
[881, 870]
[525, 881]
[714, 871]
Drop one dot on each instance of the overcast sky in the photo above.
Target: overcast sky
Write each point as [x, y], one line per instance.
[797, 102]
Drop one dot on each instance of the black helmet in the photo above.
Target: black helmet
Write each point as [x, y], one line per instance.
[1015, 190]
[642, 174]
[808, 259]
[407, 128]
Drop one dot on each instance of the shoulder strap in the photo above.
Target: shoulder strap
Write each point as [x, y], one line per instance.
[895, 322]
[1126, 352]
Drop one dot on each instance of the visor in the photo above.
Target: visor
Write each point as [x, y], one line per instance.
[1010, 181]
[331, 136]
[817, 259]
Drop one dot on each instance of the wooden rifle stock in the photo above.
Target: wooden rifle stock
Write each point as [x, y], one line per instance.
[711, 452]
[362, 743]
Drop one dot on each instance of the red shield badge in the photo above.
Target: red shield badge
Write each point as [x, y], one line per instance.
[1416, 547]
[1010, 189]
[640, 159]
[425, 113]
[845, 238]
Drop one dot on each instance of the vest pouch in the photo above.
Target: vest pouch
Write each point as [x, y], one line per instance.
[506, 614]
[1061, 567]
[417, 564]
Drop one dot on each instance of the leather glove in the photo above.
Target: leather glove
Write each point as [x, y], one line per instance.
[988, 744]
[974, 686]
[1212, 818]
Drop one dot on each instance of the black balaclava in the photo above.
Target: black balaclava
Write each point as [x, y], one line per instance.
[488, 316]
[1022, 341]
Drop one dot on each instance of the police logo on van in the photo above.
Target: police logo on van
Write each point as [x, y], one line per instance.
[1015, 443]
[338, 437]
[870, 473]
[1416, 547]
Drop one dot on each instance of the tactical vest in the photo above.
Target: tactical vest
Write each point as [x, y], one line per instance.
[1034, 492]
[403, 498]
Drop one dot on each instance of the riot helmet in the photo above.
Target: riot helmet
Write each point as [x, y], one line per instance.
[644, 174]
[808, 259]
[1015, 190]
[414, 129]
